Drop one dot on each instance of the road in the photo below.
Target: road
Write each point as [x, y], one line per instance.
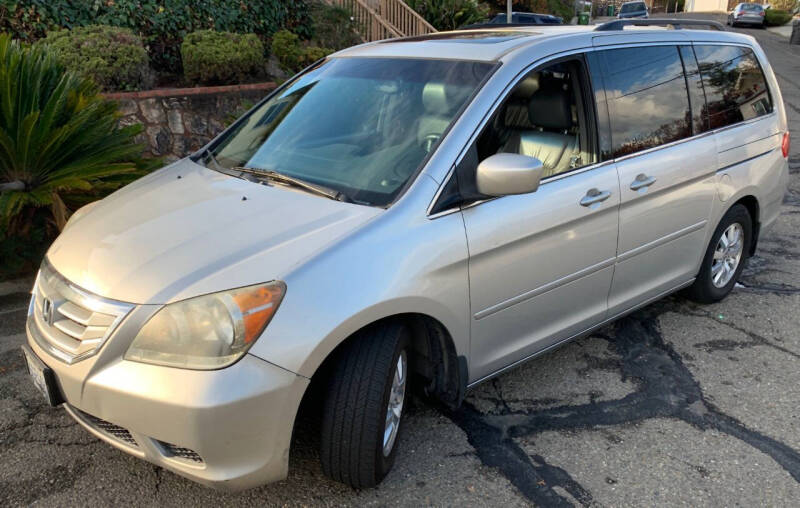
[677, 404]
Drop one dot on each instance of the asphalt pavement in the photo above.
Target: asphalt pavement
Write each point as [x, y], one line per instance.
[676, 404]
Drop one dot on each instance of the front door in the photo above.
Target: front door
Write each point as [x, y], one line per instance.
[541, 264]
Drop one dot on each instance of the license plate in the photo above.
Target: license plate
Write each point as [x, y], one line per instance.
[42, 377]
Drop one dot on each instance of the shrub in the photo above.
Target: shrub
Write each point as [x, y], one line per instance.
[60, 146]
[774, 17]
[293, 56]
[113, 57]
[162, 24]
[561, 8]
[334, 27]
[450, 14]
[220, 57]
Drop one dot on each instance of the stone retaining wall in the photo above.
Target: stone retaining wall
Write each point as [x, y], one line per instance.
[178, 121]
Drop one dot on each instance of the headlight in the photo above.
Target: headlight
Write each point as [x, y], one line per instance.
[207, 332]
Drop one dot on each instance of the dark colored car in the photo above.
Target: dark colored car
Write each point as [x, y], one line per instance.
[526, 18]
[633, 10]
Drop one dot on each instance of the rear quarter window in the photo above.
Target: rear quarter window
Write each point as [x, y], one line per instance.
[734, 84]
[648, 104]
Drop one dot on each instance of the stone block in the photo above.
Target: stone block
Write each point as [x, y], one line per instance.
[152, 111]
[175, 121]
[196, 123]
[127, 107]
[160, 140]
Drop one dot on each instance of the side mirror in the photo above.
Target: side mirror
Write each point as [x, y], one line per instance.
[508, 173]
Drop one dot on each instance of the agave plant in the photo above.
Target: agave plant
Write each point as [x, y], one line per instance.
[58, 137]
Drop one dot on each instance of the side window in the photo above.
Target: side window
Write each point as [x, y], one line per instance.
[545, 116]
[647, 98]
[734, 84]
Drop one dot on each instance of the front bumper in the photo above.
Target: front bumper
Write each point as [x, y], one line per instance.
[229, 429]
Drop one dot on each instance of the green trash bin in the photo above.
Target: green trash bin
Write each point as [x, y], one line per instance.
[611, 10]
[583, 18]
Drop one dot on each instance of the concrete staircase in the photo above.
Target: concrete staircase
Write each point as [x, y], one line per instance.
[384, 19]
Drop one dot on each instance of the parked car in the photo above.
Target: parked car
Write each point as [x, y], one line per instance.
[633, 10]
[526, 18]
[747, 14]
[422, 213]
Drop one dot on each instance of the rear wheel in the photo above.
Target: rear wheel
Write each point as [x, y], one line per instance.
[725, 257]
[364, 405]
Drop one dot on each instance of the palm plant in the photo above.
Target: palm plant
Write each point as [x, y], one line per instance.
[58, 137]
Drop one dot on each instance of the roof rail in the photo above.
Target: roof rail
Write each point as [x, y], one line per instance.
[500, 26]
[675, 24]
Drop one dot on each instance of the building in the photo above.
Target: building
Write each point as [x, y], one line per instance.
[706, 5]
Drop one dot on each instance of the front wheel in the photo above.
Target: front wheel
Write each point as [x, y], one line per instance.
[364, 405]
[725, 257]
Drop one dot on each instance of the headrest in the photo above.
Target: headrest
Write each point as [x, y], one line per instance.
[550, 107]
[434, 98]
[528, 86]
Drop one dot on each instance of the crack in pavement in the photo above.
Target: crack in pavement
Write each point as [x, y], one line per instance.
[727, 344]
[665, 388]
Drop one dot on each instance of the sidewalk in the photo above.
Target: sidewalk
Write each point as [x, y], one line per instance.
[783, 30]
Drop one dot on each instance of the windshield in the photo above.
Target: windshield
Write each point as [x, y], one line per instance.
[750, 7]
[632, 7]
[360, 126]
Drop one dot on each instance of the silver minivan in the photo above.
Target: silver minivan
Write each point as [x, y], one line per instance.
[418, 213]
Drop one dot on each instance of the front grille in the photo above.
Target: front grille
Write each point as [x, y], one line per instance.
[112, 430]
[68, 322]
[180, 452]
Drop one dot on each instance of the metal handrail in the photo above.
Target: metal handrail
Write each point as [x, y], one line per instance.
[385, 19]
[404, 18]
[676, 24]
[371, 25]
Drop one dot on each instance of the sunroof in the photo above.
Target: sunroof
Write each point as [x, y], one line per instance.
[474, 37]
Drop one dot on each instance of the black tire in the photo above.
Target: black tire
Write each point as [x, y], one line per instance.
[704, 290]
[357, 398]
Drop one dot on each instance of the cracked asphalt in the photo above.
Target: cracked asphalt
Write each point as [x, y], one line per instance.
[677, 404]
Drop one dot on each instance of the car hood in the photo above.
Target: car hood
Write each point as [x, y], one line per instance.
[187, 230]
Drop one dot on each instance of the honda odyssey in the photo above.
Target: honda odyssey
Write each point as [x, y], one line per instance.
[424, 212]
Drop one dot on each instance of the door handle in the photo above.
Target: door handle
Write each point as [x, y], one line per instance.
[595, 196]
[642, 181]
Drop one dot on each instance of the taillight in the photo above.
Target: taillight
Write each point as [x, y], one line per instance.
[761, 14]
[785, 145]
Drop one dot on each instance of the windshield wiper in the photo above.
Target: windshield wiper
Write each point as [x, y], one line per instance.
[281, 178]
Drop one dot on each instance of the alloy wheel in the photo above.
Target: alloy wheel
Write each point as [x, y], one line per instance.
[395, 407]
[727, 255]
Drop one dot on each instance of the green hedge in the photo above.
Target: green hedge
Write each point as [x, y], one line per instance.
[211, 57]
[292, 55]
[774, 17]
[334, 27]
[162, 24]
[113, 57]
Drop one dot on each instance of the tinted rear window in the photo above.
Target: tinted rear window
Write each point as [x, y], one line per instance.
[632, 7]
[647, 98]
[750, 7]
[734, 84]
